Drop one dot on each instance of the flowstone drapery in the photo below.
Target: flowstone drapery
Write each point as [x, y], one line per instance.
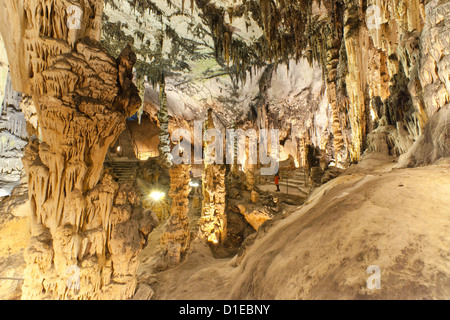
[164, 137]
[85, 227]
[13, 138]
[176, 238]
[213, 222]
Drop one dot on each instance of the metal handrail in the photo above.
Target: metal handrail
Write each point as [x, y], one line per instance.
[10, 278]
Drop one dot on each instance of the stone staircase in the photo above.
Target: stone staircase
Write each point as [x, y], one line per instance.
[124, 170]
[294, 181]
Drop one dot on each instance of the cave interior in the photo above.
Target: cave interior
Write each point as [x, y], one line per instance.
[224, 149]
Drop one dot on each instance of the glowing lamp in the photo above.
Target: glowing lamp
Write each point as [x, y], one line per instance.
[156, 195]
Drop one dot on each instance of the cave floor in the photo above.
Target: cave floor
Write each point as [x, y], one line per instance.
[373, 214]
[397, 219]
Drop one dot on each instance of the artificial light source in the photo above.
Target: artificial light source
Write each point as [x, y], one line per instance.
[373, 115]
[157, 195]
[118, 149]
[194, 184]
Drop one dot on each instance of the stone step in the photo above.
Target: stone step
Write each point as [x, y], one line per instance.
[124, 167]
[291, 186]
[125, 171]
[302, 189]
[292, 181]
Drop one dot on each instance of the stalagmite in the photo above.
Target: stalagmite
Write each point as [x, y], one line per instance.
[255, 218]
[163, 118]
[213, 223]
[434, 71]
[176, 238]
[13, 138]
[355, 43]
[254, 196]
[333, 45]
[350, 90]
[81, 220]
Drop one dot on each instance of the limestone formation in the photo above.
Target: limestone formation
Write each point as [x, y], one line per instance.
[250, 178]
[351, 86]
[333, 45]
[4, 69]
[213, 222]
[13, 139]
[255, 218]
[435, 59]
[176, 238]
[144, 292]
[382, 61]
[82, 223]
[164, 138]
[433, 145]
[254, 196]
[370, 56]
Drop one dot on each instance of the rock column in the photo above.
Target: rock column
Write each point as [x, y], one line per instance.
[176, 238]
[85, 228]
[213, 222]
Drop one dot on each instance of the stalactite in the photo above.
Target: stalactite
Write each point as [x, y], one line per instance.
[13, 135]
[141, 89]
[80, 219]
[226, 45]
[332, 47]
[163, 118]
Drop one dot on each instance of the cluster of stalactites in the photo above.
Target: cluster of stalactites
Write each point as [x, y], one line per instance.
[288, 32]
[81, 222]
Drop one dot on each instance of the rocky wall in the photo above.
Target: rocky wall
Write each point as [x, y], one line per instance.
[85, 227]
[13, 139]
[176, 239]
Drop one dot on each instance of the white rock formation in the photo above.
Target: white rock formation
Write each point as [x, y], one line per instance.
[13, 139]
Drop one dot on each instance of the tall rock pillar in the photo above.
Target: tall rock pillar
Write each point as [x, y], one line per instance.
[85, 235]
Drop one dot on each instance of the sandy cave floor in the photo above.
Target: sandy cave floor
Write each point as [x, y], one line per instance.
[397, 219]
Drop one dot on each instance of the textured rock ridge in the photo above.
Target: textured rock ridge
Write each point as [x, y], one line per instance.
[85, 232]
[213, 220]
[176, 238]
[13, 138]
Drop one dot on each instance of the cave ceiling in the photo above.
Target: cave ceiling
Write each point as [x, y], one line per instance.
[217, 53]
